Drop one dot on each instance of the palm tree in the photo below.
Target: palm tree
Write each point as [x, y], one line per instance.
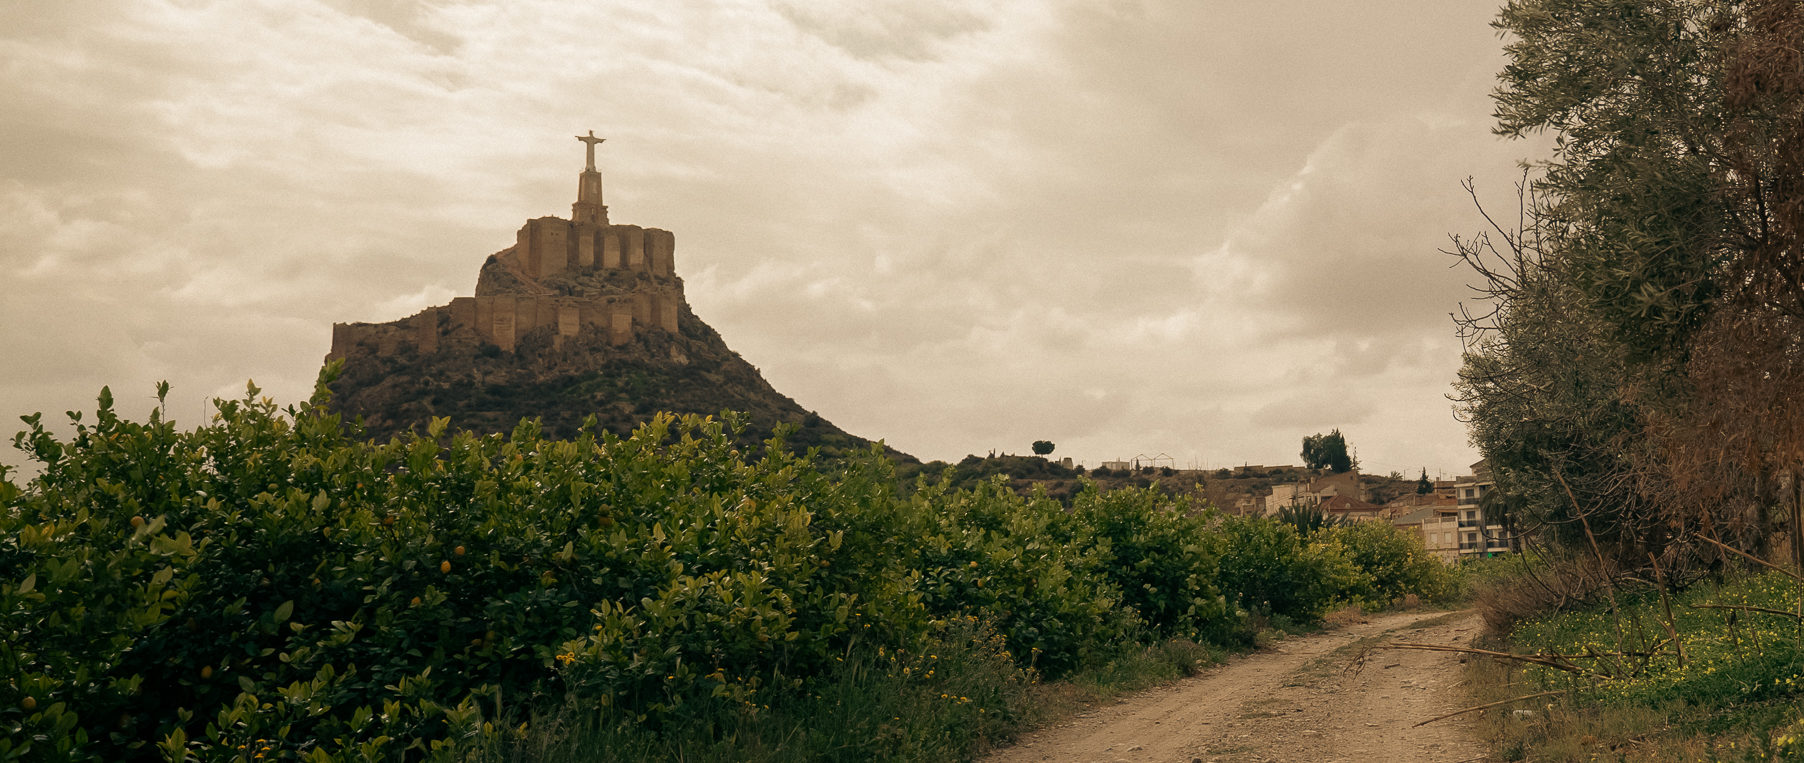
[1308, 519]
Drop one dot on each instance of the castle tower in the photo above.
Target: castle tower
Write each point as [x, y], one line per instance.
[588, 207]
[557, 279]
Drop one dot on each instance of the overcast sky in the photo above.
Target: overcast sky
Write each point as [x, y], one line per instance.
[1198, 228]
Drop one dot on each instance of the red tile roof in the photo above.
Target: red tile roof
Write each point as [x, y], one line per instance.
[1344, 504]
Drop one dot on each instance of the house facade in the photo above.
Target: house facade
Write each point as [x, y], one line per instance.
[1439, 526]
[1351, 509]
[1479, 536]
[1315, 491]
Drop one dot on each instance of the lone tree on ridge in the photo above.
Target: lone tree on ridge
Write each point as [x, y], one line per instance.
[1327, 451]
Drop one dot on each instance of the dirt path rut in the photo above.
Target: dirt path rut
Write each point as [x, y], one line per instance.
[1307, 699]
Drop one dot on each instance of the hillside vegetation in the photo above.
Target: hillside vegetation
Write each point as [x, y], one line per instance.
[485, 390]
[272, 586]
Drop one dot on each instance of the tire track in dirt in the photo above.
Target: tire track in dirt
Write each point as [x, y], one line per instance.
[1308, 698]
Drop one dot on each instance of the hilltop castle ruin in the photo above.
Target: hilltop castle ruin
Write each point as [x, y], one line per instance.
[576, 278]
[581, 325]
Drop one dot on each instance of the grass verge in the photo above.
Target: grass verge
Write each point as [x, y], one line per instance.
[1731, 688]
[954, 699]
[957, 698]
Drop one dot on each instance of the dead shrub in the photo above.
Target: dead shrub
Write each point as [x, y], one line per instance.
[1345, 616]
[1553, 587]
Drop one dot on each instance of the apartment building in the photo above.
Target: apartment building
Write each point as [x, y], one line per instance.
[1479, 536]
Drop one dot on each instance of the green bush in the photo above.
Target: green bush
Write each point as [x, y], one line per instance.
[1391, 563]
[267, 580]
[743, 574]
[1161, 557]
[1269, 569]
[990, 551]
[934, 701]
[271, 583]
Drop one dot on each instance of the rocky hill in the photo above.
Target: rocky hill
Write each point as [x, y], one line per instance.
[578, 318]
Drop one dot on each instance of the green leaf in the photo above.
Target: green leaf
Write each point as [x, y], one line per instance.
[284, 611]
[31, 582]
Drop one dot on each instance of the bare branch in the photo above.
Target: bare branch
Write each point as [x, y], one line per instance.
[1748, 608]
[1489, 705]
[1748, 556]
[1534, 659]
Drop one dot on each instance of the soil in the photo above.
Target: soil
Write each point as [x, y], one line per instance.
[1321, 697]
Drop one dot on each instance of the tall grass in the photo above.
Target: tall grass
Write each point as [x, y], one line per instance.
[955, 698]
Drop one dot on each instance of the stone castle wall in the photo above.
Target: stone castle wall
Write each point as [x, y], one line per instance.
[551, 245]
[544, 247]
[503, 320]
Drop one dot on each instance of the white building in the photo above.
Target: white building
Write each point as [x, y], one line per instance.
[1479, 535]
[1313, 492]
[1440, 530]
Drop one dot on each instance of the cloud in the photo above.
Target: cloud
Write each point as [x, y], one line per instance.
[906, 31]
[1129, 227]
[1313, 412]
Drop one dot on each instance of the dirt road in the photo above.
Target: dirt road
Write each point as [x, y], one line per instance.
[1304, 700]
